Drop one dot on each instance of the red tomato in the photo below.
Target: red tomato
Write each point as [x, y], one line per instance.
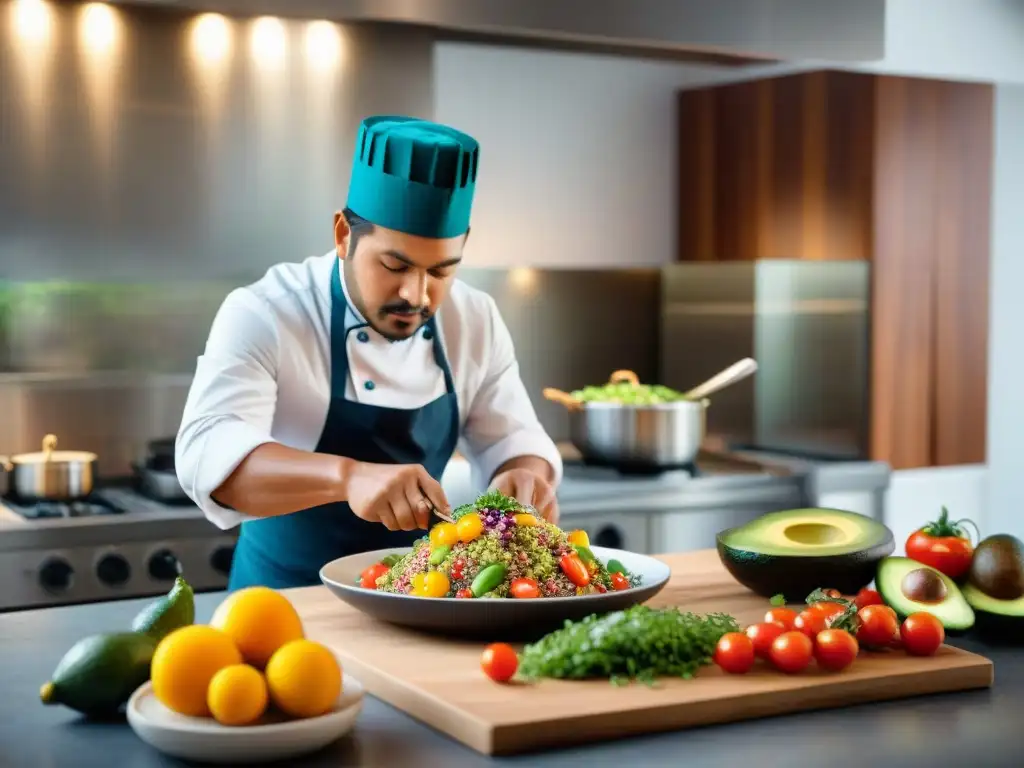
[826, 609]
[762, 636]
[791, 652]
[499, 662]
[835, 649]
[524, 589]
[574, 569]
[868, 597]
[810, 623]
[619, 582]
[943, 545]
[922, 634]
[464, 592]
[784, 617]
[368, 578]
[878, 625]
[832, 593]
[734, 653]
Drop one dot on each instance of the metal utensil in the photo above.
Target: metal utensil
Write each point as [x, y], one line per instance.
[52, 475]
[644, 437]
[734, 373]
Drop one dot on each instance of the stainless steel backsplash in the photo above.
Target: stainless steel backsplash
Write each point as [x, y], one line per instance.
[107, 366]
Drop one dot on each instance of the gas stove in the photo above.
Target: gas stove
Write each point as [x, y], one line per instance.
[116, 543]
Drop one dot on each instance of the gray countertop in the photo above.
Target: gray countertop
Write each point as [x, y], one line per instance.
[977, 728]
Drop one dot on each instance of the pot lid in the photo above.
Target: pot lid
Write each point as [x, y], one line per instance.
[51, 454]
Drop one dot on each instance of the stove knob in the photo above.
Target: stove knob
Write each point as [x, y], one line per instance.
[113, 570]
[221, 559]
[56, 575]
[164, 566]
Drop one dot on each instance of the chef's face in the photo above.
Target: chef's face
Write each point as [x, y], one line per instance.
[397, 281]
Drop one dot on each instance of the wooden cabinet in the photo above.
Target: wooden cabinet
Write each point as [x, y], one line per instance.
[894, 170]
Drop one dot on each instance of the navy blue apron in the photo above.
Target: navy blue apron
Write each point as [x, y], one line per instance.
[289, 550]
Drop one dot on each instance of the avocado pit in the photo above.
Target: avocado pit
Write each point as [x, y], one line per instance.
[814, 534]
[923, 585]
[997, 569]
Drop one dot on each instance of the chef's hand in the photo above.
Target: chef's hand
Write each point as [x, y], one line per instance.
[528, 487]
[399, 496]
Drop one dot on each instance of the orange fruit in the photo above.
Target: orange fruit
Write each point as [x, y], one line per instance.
[259, 620]
[184, 663]
[304, 679]
[237, 695]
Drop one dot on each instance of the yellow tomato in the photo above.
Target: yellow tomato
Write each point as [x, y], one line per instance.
[579, 538]
[470, 526]
[525, 519]
[444, 535]
[435, 584]
[419, 583]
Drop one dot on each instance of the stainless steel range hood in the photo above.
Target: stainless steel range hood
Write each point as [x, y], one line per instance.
[726, 31]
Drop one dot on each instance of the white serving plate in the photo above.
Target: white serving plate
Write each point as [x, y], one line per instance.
[206, 740]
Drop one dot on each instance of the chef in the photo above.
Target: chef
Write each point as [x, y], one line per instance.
[332, 393]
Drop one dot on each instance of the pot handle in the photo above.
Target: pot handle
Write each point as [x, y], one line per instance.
[562, 398]
[619, 377]
[49, 446]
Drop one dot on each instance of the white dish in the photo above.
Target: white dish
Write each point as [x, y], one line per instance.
[206, 740]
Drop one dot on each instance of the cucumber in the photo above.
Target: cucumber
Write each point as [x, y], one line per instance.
[438, 555]
[99, 673]
[489, 577]
[174, 610]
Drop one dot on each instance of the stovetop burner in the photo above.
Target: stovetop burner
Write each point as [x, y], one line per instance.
[88, 507]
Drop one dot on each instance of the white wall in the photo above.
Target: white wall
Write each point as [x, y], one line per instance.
[579, 166]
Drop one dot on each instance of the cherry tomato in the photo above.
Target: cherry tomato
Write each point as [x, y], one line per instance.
[444, 535]
[469, 527]
[835, 593]
[432, 584]
[464, 593]
[734, 653]
[574, 569]
[878, 625]
[523, 589]
[499, 662]
[835, 649]
[826, 609]
[868, 597]
[619, 582]
[784, 617]
[810, 623]
[922, 634]
[579, 538]
[762, 636]
[368, 578]
[791, 652]
[942, 544]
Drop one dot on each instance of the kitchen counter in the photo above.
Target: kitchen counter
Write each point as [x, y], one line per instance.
[975, 728]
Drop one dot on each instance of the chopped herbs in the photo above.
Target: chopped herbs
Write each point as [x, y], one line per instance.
[639, 643]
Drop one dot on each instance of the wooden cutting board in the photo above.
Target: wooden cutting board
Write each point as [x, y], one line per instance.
[439, 681]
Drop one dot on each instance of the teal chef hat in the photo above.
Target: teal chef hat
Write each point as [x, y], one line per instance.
[414, 176]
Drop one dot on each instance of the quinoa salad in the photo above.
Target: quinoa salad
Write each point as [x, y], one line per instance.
[498, 548]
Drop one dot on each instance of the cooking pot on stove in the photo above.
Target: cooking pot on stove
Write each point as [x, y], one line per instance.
[49, 475]
[653, 436]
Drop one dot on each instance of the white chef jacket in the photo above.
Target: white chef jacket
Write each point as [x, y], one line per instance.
[265, 376]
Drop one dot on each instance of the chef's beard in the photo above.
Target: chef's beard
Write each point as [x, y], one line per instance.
[409, 324]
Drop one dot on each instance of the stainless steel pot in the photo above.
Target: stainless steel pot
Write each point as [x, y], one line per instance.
[51, 475]
[662, 436]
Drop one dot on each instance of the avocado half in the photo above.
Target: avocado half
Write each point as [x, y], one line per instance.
[794, 552]
[898, 577]
[998, 621]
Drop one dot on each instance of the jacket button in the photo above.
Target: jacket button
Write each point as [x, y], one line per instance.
[369, 385]
[363, 336]
[428, 334]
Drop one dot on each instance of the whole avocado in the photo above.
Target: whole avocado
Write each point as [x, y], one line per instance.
[99, 673]
[174, 610]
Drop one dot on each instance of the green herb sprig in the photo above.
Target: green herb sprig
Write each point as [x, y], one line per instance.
[491, 500]
[639, 643]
